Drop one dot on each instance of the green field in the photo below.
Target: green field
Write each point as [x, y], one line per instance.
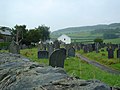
[77, 68]
[88, 37]
[115, 41]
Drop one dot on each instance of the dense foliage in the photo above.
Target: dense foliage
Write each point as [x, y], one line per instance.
[25, 36]
[98, 40]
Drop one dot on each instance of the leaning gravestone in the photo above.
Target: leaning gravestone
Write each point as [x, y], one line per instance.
[110, 53]
[71, 52]
[42, 54]
[118, 53]
[14, 48]
[57, 58]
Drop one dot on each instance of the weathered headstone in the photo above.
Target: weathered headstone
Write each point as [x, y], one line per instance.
[118, 53]
[71, 52]
[57, 58]
[40, 46]
[97, 47]
[110, 53]
[50, 49]
[85, 49]
[56, 44]
[43, 54]
[93, 46]
[14, 48]
[44, 47]
[24, 46]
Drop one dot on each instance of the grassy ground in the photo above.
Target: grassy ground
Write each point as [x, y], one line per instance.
[76, 67]
[102, 57]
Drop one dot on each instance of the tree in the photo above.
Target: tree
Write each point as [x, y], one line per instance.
[44, 32]
[98, 40]
[41, 33]
[19, 33]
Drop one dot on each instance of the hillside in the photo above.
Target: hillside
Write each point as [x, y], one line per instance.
[86, 28]
[111, 31]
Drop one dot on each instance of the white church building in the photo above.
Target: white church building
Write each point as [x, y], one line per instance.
[64, 38]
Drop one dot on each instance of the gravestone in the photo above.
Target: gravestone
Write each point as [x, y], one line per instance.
[44, 47]
[64, 51]
[56, 44]
[24, 46]
[90, 48]
[110, 53]
[14, 48]
[118, 53]
[57, 58]
[40, 46]
[43, 54]
[85, 49]
[50, 49]
[93, 46]
[78, 47]
[71, 52]
[97, 47]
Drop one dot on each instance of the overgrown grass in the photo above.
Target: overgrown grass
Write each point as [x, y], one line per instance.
[78, 68]
[102, 57]
[32, 55]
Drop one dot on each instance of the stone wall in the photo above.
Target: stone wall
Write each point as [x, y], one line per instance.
[18, 73]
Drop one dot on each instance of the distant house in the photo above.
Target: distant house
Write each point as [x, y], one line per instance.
[5, 34]
[64, 38]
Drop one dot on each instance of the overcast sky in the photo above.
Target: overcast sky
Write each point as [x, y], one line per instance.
[58, 14]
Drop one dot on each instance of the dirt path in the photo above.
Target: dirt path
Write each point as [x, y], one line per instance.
[107, 69]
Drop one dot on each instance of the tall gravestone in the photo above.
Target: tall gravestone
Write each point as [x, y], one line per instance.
[71, 52]
[56, 44]
[50, 49]
[57, 58]
[110, 53]
[43, 54]
[118, 53]
[40, 46]
[14, 48]
[85, 49]
[97, 47]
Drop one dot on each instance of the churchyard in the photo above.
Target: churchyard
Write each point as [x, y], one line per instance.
[78, 68]
[64, 56]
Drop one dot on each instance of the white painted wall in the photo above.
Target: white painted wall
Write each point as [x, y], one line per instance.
[64, 38]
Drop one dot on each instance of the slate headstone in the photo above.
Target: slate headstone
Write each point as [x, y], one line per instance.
[110, 53]
[71, 52]
[85, 49]
[118, 53]
[43, 54]
[50, 49]
[14, 48]
[56, 44]
[57, 58]
[40, 46]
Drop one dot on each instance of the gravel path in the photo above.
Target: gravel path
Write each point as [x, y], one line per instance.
[102, 67]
